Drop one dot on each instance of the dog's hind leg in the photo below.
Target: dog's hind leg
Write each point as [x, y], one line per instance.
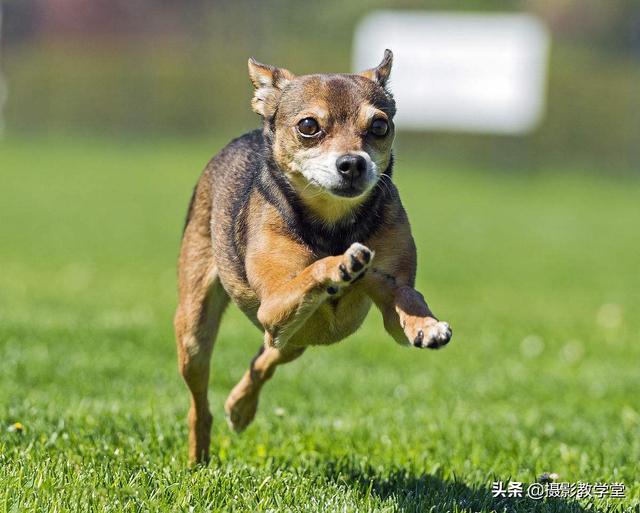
[201, 305]
[242, 403]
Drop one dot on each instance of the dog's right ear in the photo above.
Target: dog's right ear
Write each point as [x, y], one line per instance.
[380, 74]
[268, 82]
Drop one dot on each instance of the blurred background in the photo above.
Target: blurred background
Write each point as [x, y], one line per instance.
[142, 69]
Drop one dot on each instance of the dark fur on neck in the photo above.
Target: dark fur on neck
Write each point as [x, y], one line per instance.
[322, 237]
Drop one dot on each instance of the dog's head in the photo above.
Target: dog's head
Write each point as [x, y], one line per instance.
[331, 134]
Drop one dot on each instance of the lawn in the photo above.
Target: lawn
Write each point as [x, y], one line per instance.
[538, 276]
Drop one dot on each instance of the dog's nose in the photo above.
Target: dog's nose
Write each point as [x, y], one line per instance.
[351, 166]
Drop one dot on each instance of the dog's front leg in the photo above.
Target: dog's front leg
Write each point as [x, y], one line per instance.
[287, 303]
[407, 317]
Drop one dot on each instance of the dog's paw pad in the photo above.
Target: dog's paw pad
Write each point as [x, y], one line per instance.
[356, 265]
[344, 274]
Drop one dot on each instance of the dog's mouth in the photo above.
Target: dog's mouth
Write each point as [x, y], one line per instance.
[347, 191]
[331, 202]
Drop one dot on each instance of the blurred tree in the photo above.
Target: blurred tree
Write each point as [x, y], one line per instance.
[3, 85]
[154, 67]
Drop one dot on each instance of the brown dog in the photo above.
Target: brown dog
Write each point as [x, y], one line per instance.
[286, 222]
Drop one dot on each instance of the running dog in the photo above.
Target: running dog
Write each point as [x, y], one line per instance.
[300, 224]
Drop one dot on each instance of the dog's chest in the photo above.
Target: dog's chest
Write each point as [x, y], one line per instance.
[335, 319]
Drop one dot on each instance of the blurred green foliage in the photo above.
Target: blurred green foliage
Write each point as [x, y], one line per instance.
[188, 77]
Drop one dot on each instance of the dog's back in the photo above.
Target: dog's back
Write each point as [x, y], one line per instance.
[220, 207]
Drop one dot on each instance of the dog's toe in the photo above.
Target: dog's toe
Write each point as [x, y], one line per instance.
[437, 336]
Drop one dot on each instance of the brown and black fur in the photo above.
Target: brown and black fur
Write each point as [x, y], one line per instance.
[304, 267]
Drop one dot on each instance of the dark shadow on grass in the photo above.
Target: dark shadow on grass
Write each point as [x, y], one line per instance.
[419, 493]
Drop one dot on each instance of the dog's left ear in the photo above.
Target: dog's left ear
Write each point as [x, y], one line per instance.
[268, 82]
[380, 74]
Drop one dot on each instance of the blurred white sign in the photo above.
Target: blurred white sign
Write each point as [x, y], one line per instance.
[460, 72]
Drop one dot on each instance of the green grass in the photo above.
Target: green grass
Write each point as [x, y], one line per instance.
[538, 276]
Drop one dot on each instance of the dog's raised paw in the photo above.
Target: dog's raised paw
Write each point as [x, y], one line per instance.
[357, 260]
[433, 336]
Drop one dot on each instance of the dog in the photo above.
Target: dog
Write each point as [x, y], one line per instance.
[300, 224]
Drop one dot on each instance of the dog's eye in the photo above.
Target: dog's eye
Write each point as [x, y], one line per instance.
[308, 127]
[379, 127]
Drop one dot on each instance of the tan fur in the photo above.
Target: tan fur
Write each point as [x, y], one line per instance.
[321, 204]
[242, 403]
[241, 245]
[202, 302]
[380, 73]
